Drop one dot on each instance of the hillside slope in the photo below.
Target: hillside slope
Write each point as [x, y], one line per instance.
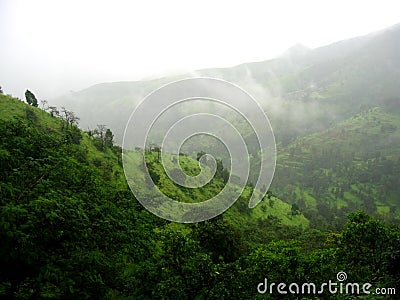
[88, 151]
[302, 92]
[354, 165]
[65, 213]
[71, 229]
[272, 210]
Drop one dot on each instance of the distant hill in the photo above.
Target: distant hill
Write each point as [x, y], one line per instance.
[302, 91]
[353, 165]
[335, 112]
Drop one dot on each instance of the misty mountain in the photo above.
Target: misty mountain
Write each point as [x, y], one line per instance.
[302, 91]
[71, 228]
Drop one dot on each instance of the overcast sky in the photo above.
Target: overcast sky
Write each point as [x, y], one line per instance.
[52, 47]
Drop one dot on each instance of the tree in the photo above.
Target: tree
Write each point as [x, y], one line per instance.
[73, 119]
[220, 239]
[366, 246]
[101, 129]
[69, 116]
[221, 172]
[153, 174]
[54, 244]
[99, 137]
[30, 98]
[109, 138]
[1, 90]
[44, 104]
[157, 149]
[53, 111]
[295, 209]
[186, 270]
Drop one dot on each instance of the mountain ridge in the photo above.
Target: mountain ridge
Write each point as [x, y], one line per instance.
[347, 72]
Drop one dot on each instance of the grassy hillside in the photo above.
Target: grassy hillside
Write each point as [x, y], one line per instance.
[354, 165]
[270, 211]
[106, 161]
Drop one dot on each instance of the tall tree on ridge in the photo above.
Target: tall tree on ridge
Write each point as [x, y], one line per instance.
[30, 98]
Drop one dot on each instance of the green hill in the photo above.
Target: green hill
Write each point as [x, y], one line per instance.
[71, 229]
[64, 212]
[65, 204]
[302, 91]
[354, 165]
[271, 210]
[336, 152]
[107, 162]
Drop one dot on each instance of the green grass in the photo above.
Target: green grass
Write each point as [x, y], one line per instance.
[14, 108]
[11, 107]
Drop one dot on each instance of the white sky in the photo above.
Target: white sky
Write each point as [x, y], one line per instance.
[52, 47]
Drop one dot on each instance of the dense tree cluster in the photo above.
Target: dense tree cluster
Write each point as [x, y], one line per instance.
[64, 230]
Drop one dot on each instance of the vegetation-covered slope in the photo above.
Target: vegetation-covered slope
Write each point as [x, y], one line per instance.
[71, 229]
[239, 215]
[65, 226]
[301, 91]
[354, 165]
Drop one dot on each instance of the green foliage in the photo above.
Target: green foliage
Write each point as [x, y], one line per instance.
[220, 239]
[30, 98]
[103, 138]
[108, 138]
[31, 115]
[71, 229]
[295, 209]
[367, 246]
[65, 231]
[352, 166]
[73, 135]
[186, 269]
[221, 172]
